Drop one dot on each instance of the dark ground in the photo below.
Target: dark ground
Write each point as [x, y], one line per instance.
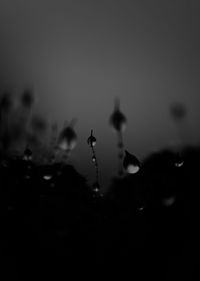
[55, 226]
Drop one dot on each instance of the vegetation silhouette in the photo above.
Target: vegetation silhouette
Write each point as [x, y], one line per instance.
[52, 225]
[92, 142]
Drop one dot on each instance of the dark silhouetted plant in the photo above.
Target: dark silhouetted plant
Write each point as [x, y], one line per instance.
[92, 142]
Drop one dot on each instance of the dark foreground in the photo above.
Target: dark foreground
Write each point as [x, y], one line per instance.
[145, 227]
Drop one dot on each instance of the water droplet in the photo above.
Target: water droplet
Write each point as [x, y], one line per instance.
[96, 187]
[131, 164]
[67, 139]
[131, 169]
[96, 192]
[47, 177]
[180, 164]
[178, 160]
[47, 172]
[91, 140]
[93, 158]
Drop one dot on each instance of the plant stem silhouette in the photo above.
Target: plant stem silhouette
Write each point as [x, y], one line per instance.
[92, 142]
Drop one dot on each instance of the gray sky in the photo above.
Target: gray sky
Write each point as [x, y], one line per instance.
[79, 55]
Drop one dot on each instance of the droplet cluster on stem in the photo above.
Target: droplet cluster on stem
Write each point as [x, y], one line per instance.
[92, 142]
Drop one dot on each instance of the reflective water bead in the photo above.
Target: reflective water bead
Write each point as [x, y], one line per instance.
[96, 187]
[67, 139]
[131, 164]
[91, 140]
[47, 177]
[178, 160]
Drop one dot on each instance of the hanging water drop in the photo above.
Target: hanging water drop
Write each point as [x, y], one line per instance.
[178, 160]
[91, 140]
[47, 177]
[93, 158]
[131, 164]
[96, 188]
[47, 173]
[67, 139]
[179, 164]
[141, 208]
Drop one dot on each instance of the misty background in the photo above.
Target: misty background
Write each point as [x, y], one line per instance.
[79, 55]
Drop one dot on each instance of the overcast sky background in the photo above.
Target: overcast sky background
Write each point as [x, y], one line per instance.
[79, 55]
